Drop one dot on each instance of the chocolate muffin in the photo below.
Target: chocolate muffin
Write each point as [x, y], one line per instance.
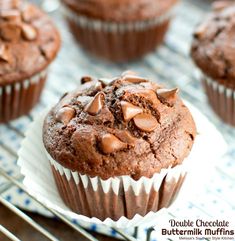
[29, 42]
[116, 146]
[213, 51]
[119, 30]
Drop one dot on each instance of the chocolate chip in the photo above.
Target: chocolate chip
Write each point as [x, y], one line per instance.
[10, 15]
[10, 31]
[167, 95]
[134, 79]
[200, 30]
[29, 13]
[15, 3]
[110, 144]
[4, 53]
[85, 79]
[126, 137]
[148, 94]
[29, 32]
[106, 81]
[220, 5]
[47, 49]
[95, 106]
[65, 114]
[129, 110]
[145, 122]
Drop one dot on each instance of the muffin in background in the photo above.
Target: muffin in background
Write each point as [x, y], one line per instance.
[117, 146]
[29, 42]
[119, 30]
[213, 51]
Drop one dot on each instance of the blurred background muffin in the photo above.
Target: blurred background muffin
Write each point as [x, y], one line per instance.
[213, 51]
[119, 30]
[116, 146]
[29, 42]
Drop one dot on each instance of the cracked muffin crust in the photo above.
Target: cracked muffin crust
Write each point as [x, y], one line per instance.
[213, 51]
[121, 11]
[29, 41]
[213, 46]
[121, 126]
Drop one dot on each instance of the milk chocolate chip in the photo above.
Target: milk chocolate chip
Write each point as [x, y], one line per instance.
[95, 106]
[85, 79]
[129, 110]
[65, 114]
[106, 81]
[10, 31]
[11, 15]
[134, 79]
[126, 137]
[110, 144]
[167, 95]
[29, 32]
[145, 122]
[4, 53]
[220, 5]
[148, 94]
[29, 13]
[200, 30]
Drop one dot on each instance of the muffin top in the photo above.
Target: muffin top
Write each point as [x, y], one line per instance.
[213, 48]
[121, 10]
[29, 41]
[121, 126]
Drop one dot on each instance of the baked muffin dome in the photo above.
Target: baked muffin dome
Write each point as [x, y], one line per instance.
[213, 46]
[121, 126]
[121, 11]
[29, 41]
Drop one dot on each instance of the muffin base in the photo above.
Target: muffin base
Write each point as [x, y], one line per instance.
[221, 99]
[19, 98]
[94, 197]
[118, 42]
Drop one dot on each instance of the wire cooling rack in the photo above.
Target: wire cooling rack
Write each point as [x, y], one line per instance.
[171, 65]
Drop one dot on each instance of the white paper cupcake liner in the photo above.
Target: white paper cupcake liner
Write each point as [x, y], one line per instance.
[18, 98]
[221, 98]
[40, 182]
[123, 195]
[118, 41]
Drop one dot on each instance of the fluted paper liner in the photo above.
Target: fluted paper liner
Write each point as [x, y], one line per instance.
[118, 196]
[221, 99]
[40, 182]
[118, 41]
[19, 98]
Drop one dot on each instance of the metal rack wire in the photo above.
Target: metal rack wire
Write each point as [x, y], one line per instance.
[172, 55]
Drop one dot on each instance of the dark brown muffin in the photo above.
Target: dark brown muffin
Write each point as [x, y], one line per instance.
[119, 30]
[29, 42]
[125, 126]
[213, 52]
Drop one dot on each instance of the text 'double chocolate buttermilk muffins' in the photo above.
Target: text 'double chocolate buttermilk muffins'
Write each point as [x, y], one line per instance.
[116, 146]
[29, 42]
[119, 30]
[213, 51]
